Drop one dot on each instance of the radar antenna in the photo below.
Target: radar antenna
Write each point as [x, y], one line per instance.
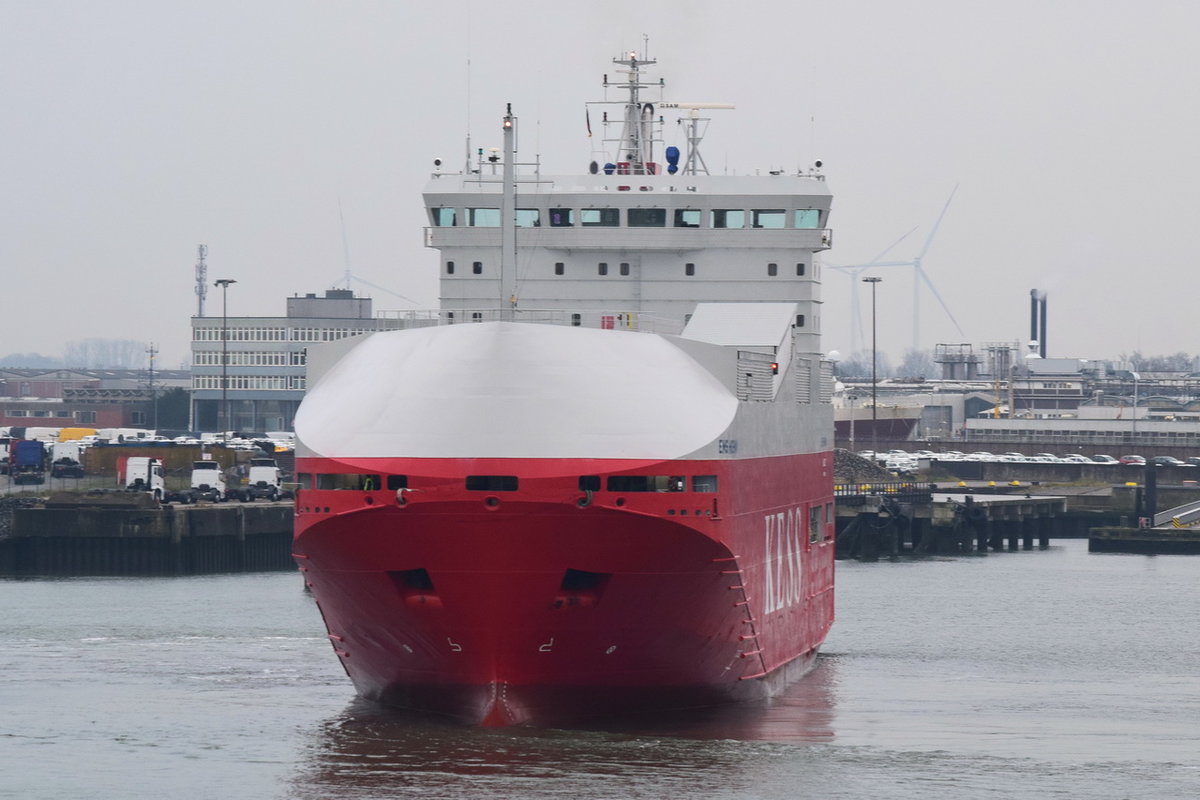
[641, 125]
[201, 279]
[694, 163]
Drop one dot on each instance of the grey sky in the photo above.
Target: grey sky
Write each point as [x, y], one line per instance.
[134, 131]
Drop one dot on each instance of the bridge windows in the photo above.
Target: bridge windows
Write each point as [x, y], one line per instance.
[687, 218]
[641, 217]
[768, 218]
[807, 218]
[600, 217]
[483, 217]
[529, 218]
[647, 217]
[728, 218]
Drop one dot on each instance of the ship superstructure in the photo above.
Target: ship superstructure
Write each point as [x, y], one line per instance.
[603, 481]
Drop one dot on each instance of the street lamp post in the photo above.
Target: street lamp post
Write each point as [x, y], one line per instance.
[874, 368]
[1136, 378]
[223, 413]
[852, 397]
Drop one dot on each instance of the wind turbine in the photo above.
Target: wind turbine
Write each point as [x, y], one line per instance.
[919, 277]
[854, 271]
[349, 277]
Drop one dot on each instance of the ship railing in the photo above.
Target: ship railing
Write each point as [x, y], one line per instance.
[660, 239]
[855, 492]
[613, 320]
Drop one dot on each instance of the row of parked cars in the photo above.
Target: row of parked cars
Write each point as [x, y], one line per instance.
[906, 463]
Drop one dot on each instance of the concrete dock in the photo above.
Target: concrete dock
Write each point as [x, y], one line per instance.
[887, 521]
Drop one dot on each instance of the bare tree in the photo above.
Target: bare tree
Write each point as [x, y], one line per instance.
[917, 364]
[1178, 362]
[858, 365]
[99, 353]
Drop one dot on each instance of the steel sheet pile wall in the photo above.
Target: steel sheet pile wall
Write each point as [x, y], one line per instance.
[174, 540]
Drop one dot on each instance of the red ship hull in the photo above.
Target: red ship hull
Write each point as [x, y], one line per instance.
[547, 603]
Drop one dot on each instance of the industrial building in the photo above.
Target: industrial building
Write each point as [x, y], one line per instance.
[248, 373]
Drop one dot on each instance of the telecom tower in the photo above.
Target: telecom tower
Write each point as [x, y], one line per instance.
[201, 280]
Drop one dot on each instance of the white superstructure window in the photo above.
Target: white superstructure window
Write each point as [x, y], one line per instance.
[600, 217]
[647, 217]
[807, 218]
[687, 218]
[483, 217]
[768, 218]
[728, 218]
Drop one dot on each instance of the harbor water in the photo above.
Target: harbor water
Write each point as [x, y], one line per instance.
[1053, 673]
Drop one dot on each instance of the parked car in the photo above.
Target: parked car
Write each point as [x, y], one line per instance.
[1193, 460]
[1167, 461]
[1132, 460]
[1104, 459]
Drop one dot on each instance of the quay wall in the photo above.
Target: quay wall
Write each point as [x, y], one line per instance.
[172, 540]
[1047, 444]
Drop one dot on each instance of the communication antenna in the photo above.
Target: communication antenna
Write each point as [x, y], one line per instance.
[152, 351]
[201, 280]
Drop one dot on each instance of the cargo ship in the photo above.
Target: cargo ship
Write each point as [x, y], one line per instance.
[597, 480]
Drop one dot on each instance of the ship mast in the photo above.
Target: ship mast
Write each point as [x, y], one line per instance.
[636, 145]
[508, 215]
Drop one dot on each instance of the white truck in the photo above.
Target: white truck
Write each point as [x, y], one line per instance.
[208, 482]
[65, 459]
[143, 474]
[265, 480]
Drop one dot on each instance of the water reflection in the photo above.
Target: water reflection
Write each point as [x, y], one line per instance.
[373, 751]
